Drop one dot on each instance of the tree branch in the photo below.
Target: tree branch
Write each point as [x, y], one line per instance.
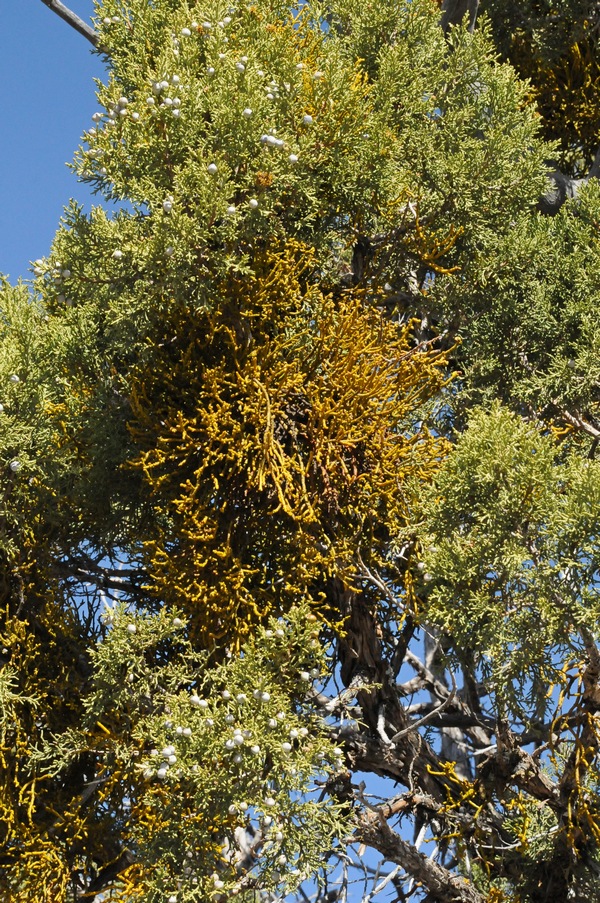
[562, 188]
[74, 21]
[430, 715]
[580, 424]
[374, 831]
[454, 11]
[84, 567]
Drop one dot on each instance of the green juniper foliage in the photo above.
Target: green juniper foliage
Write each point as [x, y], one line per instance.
[163, 748]
[511, 550]
[323, 383]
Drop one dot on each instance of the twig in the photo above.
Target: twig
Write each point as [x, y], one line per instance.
[580, 423]
[382, 884]
[376, 580]
[74, 21]
[430, 715]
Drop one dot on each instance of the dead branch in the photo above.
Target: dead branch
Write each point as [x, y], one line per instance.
[74, 21]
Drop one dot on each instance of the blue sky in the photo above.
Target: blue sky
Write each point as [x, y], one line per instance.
[46, 73]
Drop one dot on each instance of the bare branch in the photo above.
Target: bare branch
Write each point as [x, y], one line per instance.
[374, 831]
[429, 679]
[580, 424]
[454, 11]
[431, 715]
[512, 765]
[562, 187]
[84, 568]
[74, 21]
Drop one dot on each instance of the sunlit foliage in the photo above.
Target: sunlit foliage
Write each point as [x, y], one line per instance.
[277, 434]
[316, 402]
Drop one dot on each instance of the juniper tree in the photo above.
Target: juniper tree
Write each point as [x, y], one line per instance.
[300, 506]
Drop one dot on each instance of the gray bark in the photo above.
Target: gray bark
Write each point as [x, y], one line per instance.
[454, 12]
[563, 188]
[444, 886]
[74, 21]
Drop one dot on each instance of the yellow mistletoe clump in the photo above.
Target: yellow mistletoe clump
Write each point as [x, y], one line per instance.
[40, 691]
[567, 92]
[274, 435]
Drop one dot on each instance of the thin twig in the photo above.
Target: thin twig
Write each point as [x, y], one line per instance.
[74, 21]
[376, 580]
[382, 884]
[430, 715]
